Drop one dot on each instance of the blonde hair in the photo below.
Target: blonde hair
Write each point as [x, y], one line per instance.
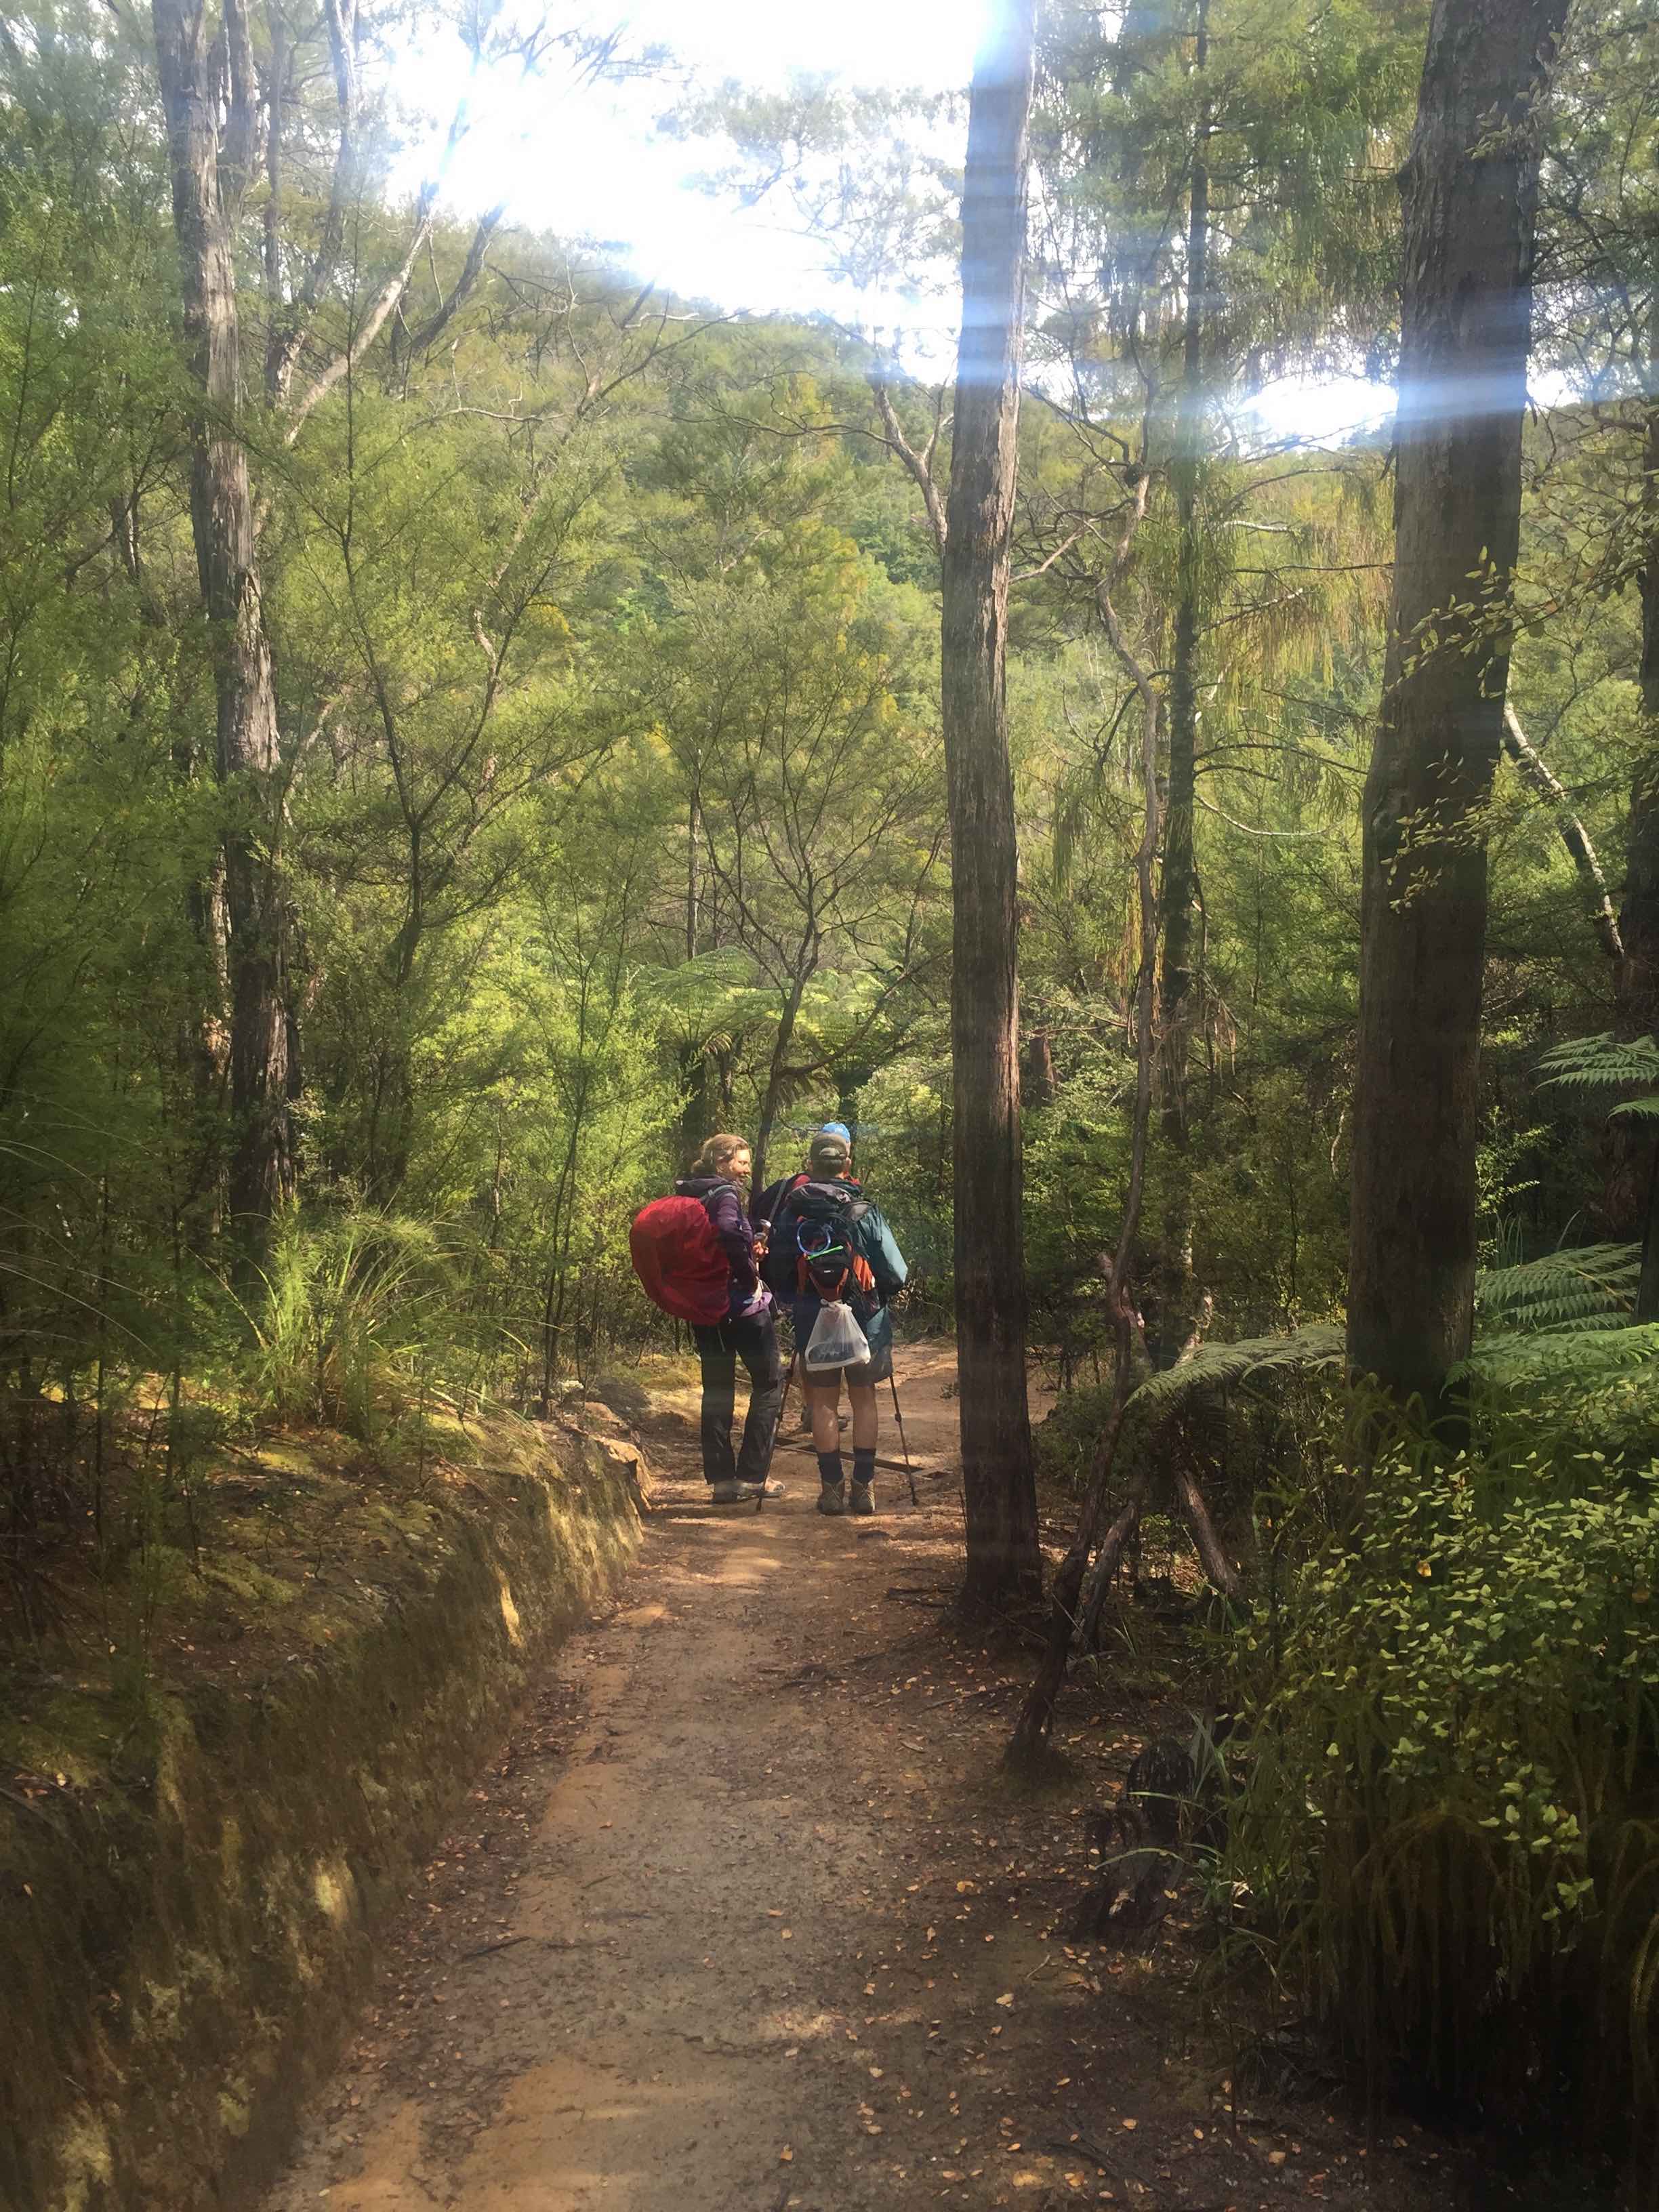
[718, 1153]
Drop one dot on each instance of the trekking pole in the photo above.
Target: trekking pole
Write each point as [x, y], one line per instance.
[909, 1472]
[777, 1428]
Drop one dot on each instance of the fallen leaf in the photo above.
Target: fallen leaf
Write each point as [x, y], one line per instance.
[1006, 1999]
[1132, 2124]
[786, 2156]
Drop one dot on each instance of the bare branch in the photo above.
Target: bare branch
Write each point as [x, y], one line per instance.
[1574, 835]
[915, 462]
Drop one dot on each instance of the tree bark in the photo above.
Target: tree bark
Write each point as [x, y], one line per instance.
[1628, 1193]
[222, 525]
[1638, 1004]
[1470, 189]
[991, 1302]
[1176, 1299]
[1180, 880]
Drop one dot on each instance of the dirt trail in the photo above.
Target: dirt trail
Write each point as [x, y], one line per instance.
[744, 1920]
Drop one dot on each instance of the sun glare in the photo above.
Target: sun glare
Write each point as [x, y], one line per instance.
[593, 161]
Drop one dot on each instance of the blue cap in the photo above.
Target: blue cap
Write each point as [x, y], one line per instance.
[836, 1129]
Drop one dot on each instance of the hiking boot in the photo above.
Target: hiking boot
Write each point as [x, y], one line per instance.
[832, 1497]
[863, 1498]
[767, 1489]
[729, 1493]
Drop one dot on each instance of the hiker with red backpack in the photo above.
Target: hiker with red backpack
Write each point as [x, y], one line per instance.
[695, 1255]
[831, 1252]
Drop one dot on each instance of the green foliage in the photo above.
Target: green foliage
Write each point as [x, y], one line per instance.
[1590, 1286]
[345, 1309]
[1602, 1063]
[1446, 1822]
[1317, 1349]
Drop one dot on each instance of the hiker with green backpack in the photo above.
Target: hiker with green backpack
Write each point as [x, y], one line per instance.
[832, 1254]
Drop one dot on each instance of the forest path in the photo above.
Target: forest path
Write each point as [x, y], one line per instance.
[744, 1919]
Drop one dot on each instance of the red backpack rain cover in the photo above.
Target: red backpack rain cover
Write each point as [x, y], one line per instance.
[678, 1260]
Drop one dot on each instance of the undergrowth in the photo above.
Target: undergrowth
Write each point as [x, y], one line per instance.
[1445, 1835]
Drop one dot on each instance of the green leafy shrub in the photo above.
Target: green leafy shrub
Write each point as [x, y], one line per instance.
[1449, 1820]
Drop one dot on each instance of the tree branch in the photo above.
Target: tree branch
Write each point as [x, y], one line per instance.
[915, 462]
[1574, 835]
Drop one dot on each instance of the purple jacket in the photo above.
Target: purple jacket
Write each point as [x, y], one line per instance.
[723, 1203]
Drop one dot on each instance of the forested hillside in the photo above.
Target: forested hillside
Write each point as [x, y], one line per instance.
[471, 727]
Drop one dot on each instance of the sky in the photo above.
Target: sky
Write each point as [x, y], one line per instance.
[593, 163]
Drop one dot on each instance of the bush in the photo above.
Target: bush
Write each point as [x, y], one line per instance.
[346, 1314]
[1449, 1821]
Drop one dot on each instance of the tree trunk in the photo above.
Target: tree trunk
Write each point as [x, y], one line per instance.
[1003, 1559]
[1470, 188]
[1037, 1084]
[1175, 1296]
[1180, 880]
[1627, 1193]
[1638, 1006]
[222, 525]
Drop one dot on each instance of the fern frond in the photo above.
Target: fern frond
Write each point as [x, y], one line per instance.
[1582, 1357]
[1601, 1063]
[1591, 1286]
[1219, 1367]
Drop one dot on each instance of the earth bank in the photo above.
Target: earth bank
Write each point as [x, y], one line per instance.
[211, 1794]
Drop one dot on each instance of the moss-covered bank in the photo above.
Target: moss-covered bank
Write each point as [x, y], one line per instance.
[205, 1804]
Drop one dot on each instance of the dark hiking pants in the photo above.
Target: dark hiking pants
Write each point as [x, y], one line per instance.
[756, 1343]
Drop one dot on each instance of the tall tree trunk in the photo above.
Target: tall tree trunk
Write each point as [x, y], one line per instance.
[1003, 1559]
[1638, 1008]
[695, 1123]
[1177, 1299]
[1627, 1194]
[205, 176]
[1470, 189]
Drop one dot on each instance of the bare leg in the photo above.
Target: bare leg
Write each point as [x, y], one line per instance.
[825, 1403]
[863, 1402]
[825, 1400]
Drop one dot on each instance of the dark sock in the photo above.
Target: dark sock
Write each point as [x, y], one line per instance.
[864, 1462]
[829, 1468]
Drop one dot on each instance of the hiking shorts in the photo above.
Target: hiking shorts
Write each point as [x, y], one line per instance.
[856, 1378]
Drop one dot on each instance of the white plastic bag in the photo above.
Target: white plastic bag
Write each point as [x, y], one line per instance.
[836, 1339]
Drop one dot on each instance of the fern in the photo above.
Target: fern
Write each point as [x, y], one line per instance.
[1584, 1356]
[1590, 1287]
[1602, 1063]
[1219, 1367]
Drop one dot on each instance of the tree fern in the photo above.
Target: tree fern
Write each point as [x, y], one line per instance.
[1585, 1357]
[1591, 1287]
[1317, 1347]
[1602, 1063]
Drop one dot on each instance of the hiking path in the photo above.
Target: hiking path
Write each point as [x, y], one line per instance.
[743, 1917]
